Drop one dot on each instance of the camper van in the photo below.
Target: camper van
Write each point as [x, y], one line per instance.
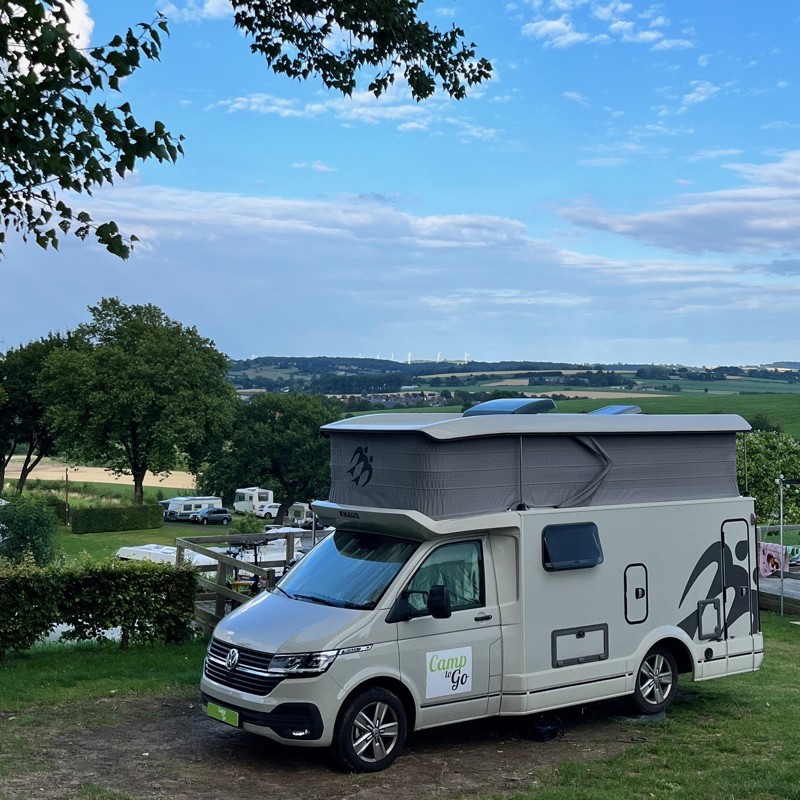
[180, 508]
[498, 564]
[250, 499]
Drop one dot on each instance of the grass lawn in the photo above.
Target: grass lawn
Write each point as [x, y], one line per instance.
[103, 545]
[733, 738]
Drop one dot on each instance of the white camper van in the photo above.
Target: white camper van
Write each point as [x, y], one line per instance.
[250, 498]
[181, 508]
[501, 564]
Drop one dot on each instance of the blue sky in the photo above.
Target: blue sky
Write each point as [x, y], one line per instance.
[626, 189]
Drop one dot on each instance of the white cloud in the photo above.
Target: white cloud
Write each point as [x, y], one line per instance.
[763, 216]
[197, 10]
[575, 97]
[555, 32]
[701, 92]
[709, 155]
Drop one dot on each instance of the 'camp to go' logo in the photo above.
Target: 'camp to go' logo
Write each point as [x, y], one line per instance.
[449, 672]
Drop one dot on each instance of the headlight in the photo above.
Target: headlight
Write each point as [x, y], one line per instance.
[302, 663]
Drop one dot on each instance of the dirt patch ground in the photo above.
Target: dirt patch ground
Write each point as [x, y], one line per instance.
[167, 748]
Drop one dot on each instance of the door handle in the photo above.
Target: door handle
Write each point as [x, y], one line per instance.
[483, 617]
[639, 594]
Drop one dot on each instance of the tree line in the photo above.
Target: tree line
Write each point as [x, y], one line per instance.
[138, 392]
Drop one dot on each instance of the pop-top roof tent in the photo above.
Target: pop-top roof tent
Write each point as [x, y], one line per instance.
[450, 466]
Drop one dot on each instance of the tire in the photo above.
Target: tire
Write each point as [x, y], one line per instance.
[370, 732]
[205, 521]
[225, 521]
[267, 515]
[656, 681]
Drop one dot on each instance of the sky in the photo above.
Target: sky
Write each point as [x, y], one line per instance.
[626, 189]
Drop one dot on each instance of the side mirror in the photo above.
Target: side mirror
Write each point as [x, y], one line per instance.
[439, 602]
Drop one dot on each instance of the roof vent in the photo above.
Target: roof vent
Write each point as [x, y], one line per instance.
[511, 405]
[614, 410]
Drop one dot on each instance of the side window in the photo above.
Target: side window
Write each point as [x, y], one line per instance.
[457, 566]
[571, 546]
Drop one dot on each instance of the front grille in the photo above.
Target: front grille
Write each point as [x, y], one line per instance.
[250, 674]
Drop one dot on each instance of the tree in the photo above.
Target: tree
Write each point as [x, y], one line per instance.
[22, 423]
[769, 455]
[295, 36]
[59, 133]
[276, 443]
[139, 392]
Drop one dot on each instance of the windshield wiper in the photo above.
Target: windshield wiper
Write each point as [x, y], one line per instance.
[312, 599]
[290, 596]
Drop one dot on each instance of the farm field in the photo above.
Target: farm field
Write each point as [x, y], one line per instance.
[52, 470]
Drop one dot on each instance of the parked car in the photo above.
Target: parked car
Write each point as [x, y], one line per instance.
[268, 510]
[211, 516]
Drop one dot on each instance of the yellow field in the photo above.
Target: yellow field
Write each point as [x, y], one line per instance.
[49, 470]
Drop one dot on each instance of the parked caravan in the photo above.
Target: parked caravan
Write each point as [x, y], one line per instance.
[181, 508]
[499, 564]
[251, 498]
[299, 514]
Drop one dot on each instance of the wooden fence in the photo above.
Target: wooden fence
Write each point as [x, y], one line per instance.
[222, 592]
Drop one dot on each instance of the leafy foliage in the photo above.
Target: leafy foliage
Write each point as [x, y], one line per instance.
[58, 133]
[22, 424]
[28, 604]
[140, 390]
[148, 602]
[30, 528]
[769, 454]
[276, 443]
[297, 39]
[117, 518]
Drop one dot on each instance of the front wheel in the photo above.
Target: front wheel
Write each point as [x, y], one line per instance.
[370, 732]
[656, 681]
[205, 521]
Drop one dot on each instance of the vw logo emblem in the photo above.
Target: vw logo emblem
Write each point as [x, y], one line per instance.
[233, 658]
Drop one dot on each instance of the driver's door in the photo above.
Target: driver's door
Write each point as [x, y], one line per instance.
[453, 665]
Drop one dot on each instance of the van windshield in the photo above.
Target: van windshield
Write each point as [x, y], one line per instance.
[348, 570]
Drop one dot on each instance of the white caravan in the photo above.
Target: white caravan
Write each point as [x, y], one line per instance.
[251, 498]
[503, 564]
[181, 508]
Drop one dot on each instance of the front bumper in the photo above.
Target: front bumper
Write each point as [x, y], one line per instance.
[292, 722]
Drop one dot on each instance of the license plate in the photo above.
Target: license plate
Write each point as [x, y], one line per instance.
[223, 714]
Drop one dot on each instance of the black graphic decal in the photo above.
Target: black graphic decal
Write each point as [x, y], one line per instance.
[360, 471]
[737, 576]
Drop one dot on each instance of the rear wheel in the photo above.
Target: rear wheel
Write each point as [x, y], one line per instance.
[370, 732]
[225, 521]
[656, 681]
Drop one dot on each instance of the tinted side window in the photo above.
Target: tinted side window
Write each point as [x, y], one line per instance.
[572, 546]
[457, 566]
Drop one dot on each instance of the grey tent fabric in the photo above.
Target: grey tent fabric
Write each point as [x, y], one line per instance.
[407, 469]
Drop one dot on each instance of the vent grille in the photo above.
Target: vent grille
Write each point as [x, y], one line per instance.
[250, 674]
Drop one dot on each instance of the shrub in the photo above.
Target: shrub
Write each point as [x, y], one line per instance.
[148, 602]
[249, 523]
[30, 527]
[28, 603]
[117, 518]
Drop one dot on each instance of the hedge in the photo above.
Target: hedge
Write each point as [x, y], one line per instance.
[117, 518]
[149, 602]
